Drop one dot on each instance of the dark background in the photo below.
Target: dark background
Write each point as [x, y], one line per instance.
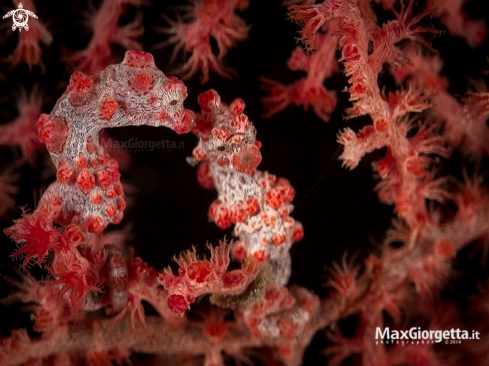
[167, 209]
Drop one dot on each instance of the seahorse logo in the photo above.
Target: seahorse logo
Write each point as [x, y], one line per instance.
[20, 17]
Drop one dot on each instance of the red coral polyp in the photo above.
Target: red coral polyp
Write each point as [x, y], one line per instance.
[199, 271]
[37, 233]
[177, 304]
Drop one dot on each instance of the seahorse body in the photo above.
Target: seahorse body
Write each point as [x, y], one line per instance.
[132, 93]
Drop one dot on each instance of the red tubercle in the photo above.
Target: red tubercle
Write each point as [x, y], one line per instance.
[102, 160]
[118, 188]
[91, 147]
[237, 213]
[199, 153]
[95, 224]
[85, 181]
[222, 161]
[96, 199]
[65, 173]
[141, 83]
[112, 163]
[108, 109]
[252, 206]
[269, 180]
[298, 232]
[121, 204]
[273, 294]
[246, 159]
[260, 255]
[115, 176]
[81, 82]
[185, 123]
[94, 163]
[138, 59]
[240, 122]
[204, 176]
[284, 210]
[220, 133]
[237, 106]
[111, 193]
[278, 238]
[104, 179]
[273, 198]
[269, 217]
[118, 218]
[286, 191]
[53, 132]
[81, 89]
[110, 210]
[209, 100]
[287, 328]
[162, 116]
[202, 127]
[219, 214]
[175, 84]
[81, 161]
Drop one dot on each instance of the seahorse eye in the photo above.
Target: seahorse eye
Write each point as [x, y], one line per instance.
[174, 102]
[221, 148]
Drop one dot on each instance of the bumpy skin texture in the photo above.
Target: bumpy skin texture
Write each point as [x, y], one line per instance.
[257, 202]
[132, 93]
[88, 195]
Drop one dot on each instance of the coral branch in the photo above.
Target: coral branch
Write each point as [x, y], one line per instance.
[308, 91]
[209, 19]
